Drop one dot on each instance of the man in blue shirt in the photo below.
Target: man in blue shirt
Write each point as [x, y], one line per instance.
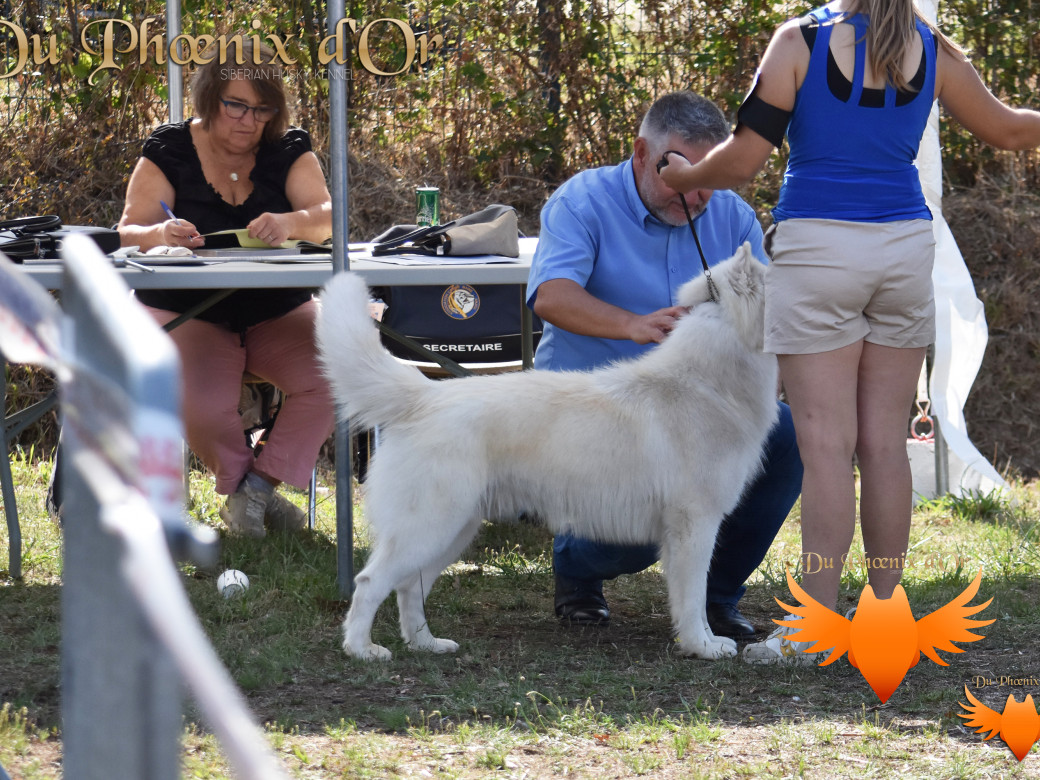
[614, 248]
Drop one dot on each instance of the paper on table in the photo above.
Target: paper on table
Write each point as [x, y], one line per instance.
[157, 255]
[223, 239]
[240, 238]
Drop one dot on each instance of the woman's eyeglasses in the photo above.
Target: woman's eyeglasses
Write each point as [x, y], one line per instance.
[236, 110]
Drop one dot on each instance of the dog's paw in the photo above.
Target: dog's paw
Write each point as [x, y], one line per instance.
[710, 648]
[432, 644]
[369, 652]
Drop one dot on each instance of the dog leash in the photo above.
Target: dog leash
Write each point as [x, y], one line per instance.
[712, 289]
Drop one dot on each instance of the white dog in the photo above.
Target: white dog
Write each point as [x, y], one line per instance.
[653, 450]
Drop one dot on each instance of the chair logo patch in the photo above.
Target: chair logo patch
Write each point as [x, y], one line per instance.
[460, 302]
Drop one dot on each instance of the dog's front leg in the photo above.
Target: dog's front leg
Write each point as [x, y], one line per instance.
[686, 556]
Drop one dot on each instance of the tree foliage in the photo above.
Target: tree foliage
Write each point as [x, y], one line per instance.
[516, 92]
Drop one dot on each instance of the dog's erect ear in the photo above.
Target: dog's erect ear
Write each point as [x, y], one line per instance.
[743, 296]
[746, 272]
[741, 274]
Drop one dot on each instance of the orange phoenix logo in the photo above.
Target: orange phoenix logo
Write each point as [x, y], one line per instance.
[882, 639]
[1018, 725]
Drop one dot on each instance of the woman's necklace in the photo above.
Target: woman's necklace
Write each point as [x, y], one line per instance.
[218, 159]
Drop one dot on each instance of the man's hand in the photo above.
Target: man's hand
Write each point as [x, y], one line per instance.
[568, 305]
[655, 326]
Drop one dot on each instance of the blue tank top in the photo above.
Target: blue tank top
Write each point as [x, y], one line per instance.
[849, 161]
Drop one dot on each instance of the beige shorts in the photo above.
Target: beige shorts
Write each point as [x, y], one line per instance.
[831, 283]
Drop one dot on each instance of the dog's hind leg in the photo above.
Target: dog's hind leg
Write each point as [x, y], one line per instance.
[396, 560]
[686, 555]
[411, 596]
[371, 589]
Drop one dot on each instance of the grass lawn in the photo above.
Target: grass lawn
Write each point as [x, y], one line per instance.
[528, 698]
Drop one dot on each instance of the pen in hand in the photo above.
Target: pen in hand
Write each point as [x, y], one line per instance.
[169, 213]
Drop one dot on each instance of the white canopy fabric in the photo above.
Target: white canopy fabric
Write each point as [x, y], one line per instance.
[961, 333]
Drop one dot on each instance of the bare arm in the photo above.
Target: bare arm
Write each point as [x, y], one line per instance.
[567, 305]
[739, 158]
[311, 218]
[144, 223]
[963, 95]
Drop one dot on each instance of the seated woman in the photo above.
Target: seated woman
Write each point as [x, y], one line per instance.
[239, 164]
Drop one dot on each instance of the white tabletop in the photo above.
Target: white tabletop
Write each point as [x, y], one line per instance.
[252, 268]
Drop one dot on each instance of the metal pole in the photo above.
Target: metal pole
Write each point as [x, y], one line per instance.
[174, 75]
[339, 143]
[339, 162]
[526, 330]
[942, 453]
[942, 461]
[14, 532]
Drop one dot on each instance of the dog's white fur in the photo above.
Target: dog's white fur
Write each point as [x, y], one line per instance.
[654, 450]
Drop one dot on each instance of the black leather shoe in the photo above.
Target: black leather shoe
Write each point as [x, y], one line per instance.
[726, 620]
[581, 603]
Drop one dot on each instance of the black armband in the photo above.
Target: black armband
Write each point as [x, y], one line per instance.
[767, 120]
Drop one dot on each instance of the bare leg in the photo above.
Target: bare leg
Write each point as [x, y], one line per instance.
[887, 380]
[822, 392]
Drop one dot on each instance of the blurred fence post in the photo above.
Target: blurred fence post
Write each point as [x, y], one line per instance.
[129, 634]
[121, 692]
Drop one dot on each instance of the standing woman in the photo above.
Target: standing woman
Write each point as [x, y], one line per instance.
[239, 164]
[849, 303]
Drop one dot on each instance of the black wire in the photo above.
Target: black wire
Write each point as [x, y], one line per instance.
[712, 289]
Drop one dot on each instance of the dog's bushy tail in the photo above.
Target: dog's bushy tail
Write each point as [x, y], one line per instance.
[369, 386]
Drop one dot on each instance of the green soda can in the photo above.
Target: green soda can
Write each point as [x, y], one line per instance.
[427, 206]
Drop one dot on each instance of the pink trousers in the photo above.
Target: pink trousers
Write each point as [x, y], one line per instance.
[280, 351]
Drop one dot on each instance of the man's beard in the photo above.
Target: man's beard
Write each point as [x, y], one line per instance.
[670, 217]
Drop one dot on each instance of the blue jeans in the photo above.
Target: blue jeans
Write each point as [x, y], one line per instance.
[743, 540]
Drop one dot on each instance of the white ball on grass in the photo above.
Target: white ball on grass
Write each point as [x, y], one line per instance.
[232, 583]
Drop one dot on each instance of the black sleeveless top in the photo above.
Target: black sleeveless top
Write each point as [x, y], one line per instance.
[171, 148]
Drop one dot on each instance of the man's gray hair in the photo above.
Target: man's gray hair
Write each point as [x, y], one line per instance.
[686, 114]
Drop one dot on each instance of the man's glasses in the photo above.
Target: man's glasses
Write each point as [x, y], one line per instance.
[236, 110]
